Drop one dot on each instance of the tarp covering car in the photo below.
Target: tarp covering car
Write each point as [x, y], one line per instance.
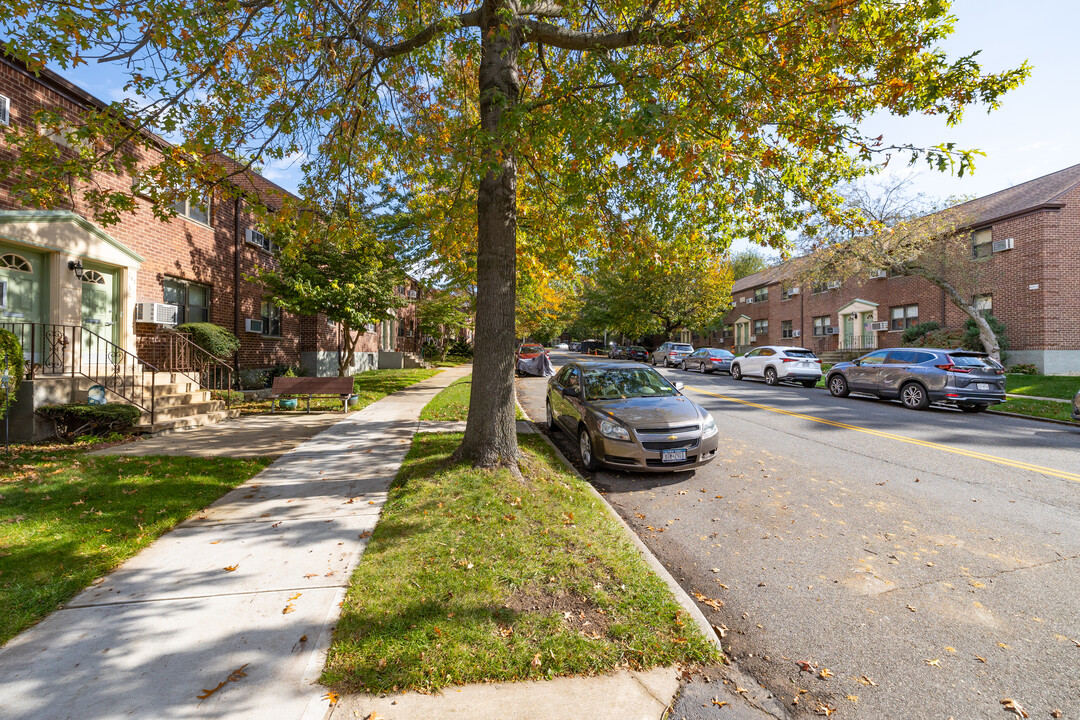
[539, 366]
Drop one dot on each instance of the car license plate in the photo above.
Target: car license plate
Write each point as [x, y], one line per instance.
[982, 386]
[675, 455]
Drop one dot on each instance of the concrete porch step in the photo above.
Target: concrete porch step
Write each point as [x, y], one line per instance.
[174, 412]
[163, 427]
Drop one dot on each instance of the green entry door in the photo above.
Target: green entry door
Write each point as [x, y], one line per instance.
[22, 286]
[99, 312]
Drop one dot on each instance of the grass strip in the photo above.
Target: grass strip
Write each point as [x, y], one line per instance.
[1037, 408]
[1063, 387]
[369, 386]
[473, 576]
[452, 403]
[67, 518]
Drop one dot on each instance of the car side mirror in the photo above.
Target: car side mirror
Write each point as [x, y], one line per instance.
[571, 392]
[679, 386]
[856, 362]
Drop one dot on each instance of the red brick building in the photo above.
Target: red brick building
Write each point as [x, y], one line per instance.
[1030, 235]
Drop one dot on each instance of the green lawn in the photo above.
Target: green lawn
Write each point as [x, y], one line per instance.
[473, 576]
[1037, 408]
[67, 518]
[1050, 386]
[453, 403]
[370, 386]
[451, 361]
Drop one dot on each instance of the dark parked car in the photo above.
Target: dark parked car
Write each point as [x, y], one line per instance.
[636, 352]
[1076, 406]
[707, 360]
[629, 417]
[971, 381]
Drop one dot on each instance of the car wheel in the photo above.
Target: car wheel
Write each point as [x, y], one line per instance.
[585, 449]
[552, 425]
[682, 365]
[771, 377]
[736, 372]
[652, 360]
[838, 386]
[914, 397]
[972, 408]
[809, 383]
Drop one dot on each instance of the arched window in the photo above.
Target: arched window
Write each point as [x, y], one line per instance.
[11, 261]
[93, 277]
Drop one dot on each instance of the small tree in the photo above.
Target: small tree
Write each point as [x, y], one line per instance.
[11, 369]
[442, 315]
[338, 268]
[909, 235]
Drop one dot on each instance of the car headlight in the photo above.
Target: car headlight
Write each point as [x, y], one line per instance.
[709, 429]
[613, 430]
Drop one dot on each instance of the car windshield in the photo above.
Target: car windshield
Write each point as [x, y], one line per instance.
[638, 348]
[800, 354]
[974, 361]
[683, 348]
[531, 349]
[617, 383]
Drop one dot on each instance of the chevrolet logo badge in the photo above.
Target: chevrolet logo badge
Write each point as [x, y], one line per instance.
[672, 437]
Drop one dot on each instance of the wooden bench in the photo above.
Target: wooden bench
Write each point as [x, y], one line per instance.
[309, 387]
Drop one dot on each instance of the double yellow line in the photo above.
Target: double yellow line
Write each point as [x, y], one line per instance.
[900, 438]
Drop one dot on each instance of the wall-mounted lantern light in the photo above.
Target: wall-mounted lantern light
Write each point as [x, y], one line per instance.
[76, 267]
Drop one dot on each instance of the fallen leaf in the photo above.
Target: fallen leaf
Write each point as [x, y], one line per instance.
[536, 660]
[310, 575]
[912, 609]
[950, 649]
[288, 609]
[1003, 646]
[980, 659]
[230, 568]
[215, 542]
[234, 676]
[805, 666]
[867, 681]
[365, 534]
[1014, 706]
[714, 604]
[295, 596]
[936, 662]
[825, 710]
[1055, 713]
[718, 703]
[333, 697]
[824, 673]
[740, 690]
[853, 698]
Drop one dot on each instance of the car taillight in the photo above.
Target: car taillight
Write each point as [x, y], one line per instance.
[953, 368]
[788, 360]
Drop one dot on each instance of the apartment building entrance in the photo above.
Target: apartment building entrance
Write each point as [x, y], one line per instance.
[857, 320]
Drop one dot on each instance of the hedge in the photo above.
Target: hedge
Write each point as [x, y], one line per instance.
[75, 419]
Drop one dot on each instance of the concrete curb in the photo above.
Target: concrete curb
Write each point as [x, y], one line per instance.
[1052, 421]
[654, 564]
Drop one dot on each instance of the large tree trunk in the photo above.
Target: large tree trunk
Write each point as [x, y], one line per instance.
[490, 435]
[348, 349]
[986, 333]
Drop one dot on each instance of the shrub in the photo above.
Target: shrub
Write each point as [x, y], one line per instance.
[12, 367]
[916, 332]
[1024, 369]
[461, 348]
[75, 419]
[942, 338]
[254, 379]
[212, 338]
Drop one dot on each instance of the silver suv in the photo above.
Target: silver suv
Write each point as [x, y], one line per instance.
[670, 354]
[971, 381]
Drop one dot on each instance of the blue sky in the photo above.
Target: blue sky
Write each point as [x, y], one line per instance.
[1034, 132]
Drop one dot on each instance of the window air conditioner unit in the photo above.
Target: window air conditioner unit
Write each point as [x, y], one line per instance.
[796, 333]
[750, 301]
[793, 291]
[834, 285]
[254, 237]
[1003, 245]
[879, 274]
[408, 333]
[832, 330]
[156, 313]
[875, 326]
[753, 338]
[253, 325]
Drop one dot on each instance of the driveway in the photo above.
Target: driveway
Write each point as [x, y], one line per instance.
[927, 562]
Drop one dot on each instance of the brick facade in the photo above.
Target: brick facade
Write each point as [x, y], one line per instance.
[1035, 286]
[213, 254]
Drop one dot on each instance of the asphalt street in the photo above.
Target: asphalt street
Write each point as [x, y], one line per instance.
[869, 561]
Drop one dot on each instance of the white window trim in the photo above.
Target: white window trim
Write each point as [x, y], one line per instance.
[5, 110]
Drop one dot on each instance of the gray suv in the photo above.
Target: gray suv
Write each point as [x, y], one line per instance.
[1076, 406]
[971, 381]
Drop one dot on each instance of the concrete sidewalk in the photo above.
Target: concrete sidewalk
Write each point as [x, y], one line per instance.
[230, 614]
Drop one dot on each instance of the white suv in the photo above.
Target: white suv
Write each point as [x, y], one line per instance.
[777, 363]
[670, 353]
